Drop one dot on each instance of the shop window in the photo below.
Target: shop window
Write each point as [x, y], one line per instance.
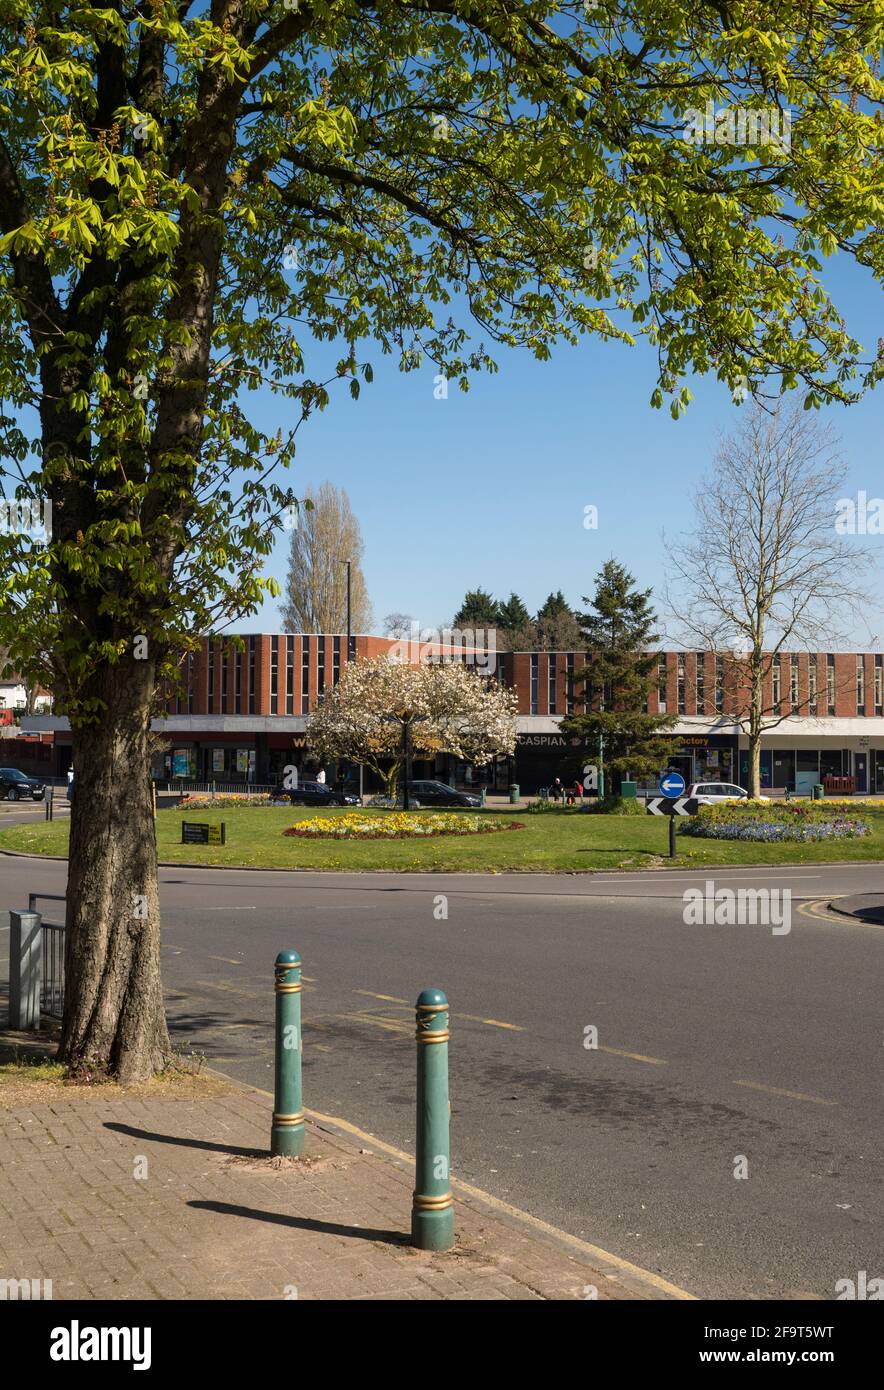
[830, 763]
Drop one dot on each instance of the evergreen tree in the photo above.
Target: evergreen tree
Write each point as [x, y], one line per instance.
[618, 633]
[512, 615]
[557, 625]
[477, 610]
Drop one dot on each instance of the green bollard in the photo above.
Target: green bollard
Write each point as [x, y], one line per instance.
[287, 1130]
[432, 1210]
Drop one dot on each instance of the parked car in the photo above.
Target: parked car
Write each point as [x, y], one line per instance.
[15, 786]
[439, 794]
[314, 794]
[711, 793]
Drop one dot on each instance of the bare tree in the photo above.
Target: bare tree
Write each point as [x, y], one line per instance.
[398, 624]
[316, 584]
[764, 571]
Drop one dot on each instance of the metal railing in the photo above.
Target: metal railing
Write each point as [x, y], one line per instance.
[52, 953]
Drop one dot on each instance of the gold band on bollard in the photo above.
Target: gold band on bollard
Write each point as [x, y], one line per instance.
[432, 1037]
[432, 1203]
[288, 1119]
[287, 989]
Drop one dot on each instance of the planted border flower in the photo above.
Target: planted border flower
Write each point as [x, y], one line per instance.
[356, 825]
[772, 823]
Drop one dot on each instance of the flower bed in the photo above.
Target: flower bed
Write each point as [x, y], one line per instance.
[772, 822]
[202, 801]
[355, 825]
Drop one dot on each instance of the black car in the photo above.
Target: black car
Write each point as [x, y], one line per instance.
[439, 794]
[313, 794]
[15, 786]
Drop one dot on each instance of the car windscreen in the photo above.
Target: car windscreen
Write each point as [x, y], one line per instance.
[12, 774]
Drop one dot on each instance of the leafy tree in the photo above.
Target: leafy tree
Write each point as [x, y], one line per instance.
[477, 610]
[618, 632]
[512, 615]
[200, 200]
[327, 534]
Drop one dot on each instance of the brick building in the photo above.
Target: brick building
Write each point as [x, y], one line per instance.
[242, 715]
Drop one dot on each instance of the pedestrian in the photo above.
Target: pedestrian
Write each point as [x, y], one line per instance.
[557, 790]
[70, 791]
[320, 776]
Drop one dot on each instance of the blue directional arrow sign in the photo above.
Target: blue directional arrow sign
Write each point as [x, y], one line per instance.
[672, 784]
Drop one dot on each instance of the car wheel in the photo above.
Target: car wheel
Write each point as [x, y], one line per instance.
[12, 794]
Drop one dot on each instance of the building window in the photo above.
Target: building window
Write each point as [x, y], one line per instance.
[701, 682]
[719, 685]
[290, 675]
[569, 683]
[211, 660]
[811, 683]
[879, 686]
[534, 664]
[190, 682]
[320, 666]
[777, 683]
[551, 687]
[793, 684]
[305, 674]
[237, 676]
[336, 660]
[661, 684]
[274, 675]
[225, 666]
[860, 685]
[830, 683]
[681, 683]
[251, 675]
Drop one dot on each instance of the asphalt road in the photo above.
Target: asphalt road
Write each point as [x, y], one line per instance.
[714, 1043]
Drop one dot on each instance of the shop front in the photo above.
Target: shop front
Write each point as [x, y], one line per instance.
[704, 758]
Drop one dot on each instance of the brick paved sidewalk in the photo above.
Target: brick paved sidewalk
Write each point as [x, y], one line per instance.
[214, 1218]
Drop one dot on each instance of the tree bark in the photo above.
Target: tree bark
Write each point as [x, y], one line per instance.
[114, 1017]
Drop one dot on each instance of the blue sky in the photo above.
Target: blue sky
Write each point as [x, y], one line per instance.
[489, 488]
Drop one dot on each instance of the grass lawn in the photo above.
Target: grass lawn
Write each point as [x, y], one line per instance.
[566, 841]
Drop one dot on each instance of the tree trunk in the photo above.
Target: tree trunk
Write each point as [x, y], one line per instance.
[755, 764]
[114, 1017]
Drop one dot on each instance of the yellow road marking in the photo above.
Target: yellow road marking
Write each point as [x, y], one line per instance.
[778, 1091]
[595, 1252]
[388, 998]
[225, 959]
[818, 909]
[636, 1056]
[491, 1022]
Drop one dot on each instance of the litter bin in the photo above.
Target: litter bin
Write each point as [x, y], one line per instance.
[482, 795]
[819, 791]
[515, 794]
[628, 790]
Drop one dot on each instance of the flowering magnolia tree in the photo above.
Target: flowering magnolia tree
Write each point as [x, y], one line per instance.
[450, 708]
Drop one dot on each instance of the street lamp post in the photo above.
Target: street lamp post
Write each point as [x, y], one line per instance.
[349, 564]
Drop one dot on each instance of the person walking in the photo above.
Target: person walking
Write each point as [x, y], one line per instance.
[320, 776]
[70, 789]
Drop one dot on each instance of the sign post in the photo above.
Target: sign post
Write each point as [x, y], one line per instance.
[671, 802]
